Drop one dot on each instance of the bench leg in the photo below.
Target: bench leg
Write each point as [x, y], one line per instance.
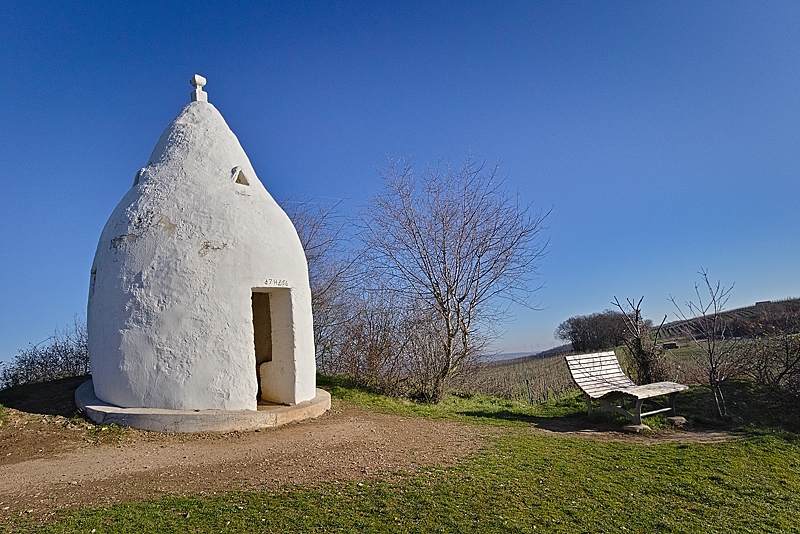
[588, 403]
[672, 403]
[637, 416]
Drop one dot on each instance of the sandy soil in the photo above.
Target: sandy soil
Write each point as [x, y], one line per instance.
[50, 461]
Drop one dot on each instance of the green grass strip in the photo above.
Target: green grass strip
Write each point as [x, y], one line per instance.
[472, 409]
[755, 410]
[526, 483]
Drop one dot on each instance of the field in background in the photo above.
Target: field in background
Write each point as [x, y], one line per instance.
[532, 379]
[541, 378]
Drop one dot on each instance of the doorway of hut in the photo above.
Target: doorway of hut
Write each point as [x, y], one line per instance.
[262, 332]
[273, 340]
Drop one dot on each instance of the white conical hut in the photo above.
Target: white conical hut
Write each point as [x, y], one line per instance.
[199, 293]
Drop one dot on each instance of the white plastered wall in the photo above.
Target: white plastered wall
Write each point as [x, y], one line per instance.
[169, 314]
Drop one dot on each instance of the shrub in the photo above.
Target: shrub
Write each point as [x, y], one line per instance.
[65, 353]
[771, 356]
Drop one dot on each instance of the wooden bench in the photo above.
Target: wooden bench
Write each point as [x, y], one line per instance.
[601, 378]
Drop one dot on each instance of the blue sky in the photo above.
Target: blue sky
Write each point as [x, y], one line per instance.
[664, 135]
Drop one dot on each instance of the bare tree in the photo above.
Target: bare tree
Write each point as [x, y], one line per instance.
[705, 324]
[323, 233]
[641, 340]
[454, 239]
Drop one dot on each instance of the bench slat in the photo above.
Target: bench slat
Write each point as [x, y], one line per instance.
[599, 375]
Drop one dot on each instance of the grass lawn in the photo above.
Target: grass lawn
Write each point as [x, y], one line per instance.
[525, 481]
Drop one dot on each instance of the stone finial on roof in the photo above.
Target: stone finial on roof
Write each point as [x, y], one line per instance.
[198, 95]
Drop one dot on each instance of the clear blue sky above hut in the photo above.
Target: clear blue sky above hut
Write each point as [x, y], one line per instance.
[664, 135]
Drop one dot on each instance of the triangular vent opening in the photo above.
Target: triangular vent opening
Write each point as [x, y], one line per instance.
[239, 177]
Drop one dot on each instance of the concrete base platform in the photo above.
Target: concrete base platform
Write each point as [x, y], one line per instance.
[162, 420]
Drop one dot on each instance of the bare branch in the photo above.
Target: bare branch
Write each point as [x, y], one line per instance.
[704, 324]
[642, 342]
[454, 238]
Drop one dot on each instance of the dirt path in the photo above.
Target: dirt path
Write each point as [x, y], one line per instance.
[49, 462]
[70, 466]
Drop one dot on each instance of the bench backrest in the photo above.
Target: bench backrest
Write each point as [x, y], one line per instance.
[597, 374]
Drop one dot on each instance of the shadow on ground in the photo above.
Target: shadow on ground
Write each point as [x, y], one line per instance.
[572, 423]
[46, 398]
[752, 409]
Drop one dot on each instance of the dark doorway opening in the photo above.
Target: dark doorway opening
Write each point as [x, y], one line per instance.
[262, 333]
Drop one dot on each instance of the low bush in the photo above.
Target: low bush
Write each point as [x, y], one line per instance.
[64, 354]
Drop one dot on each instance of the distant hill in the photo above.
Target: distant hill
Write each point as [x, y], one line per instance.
[514, 359]
[782, 314]
[555, 351]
